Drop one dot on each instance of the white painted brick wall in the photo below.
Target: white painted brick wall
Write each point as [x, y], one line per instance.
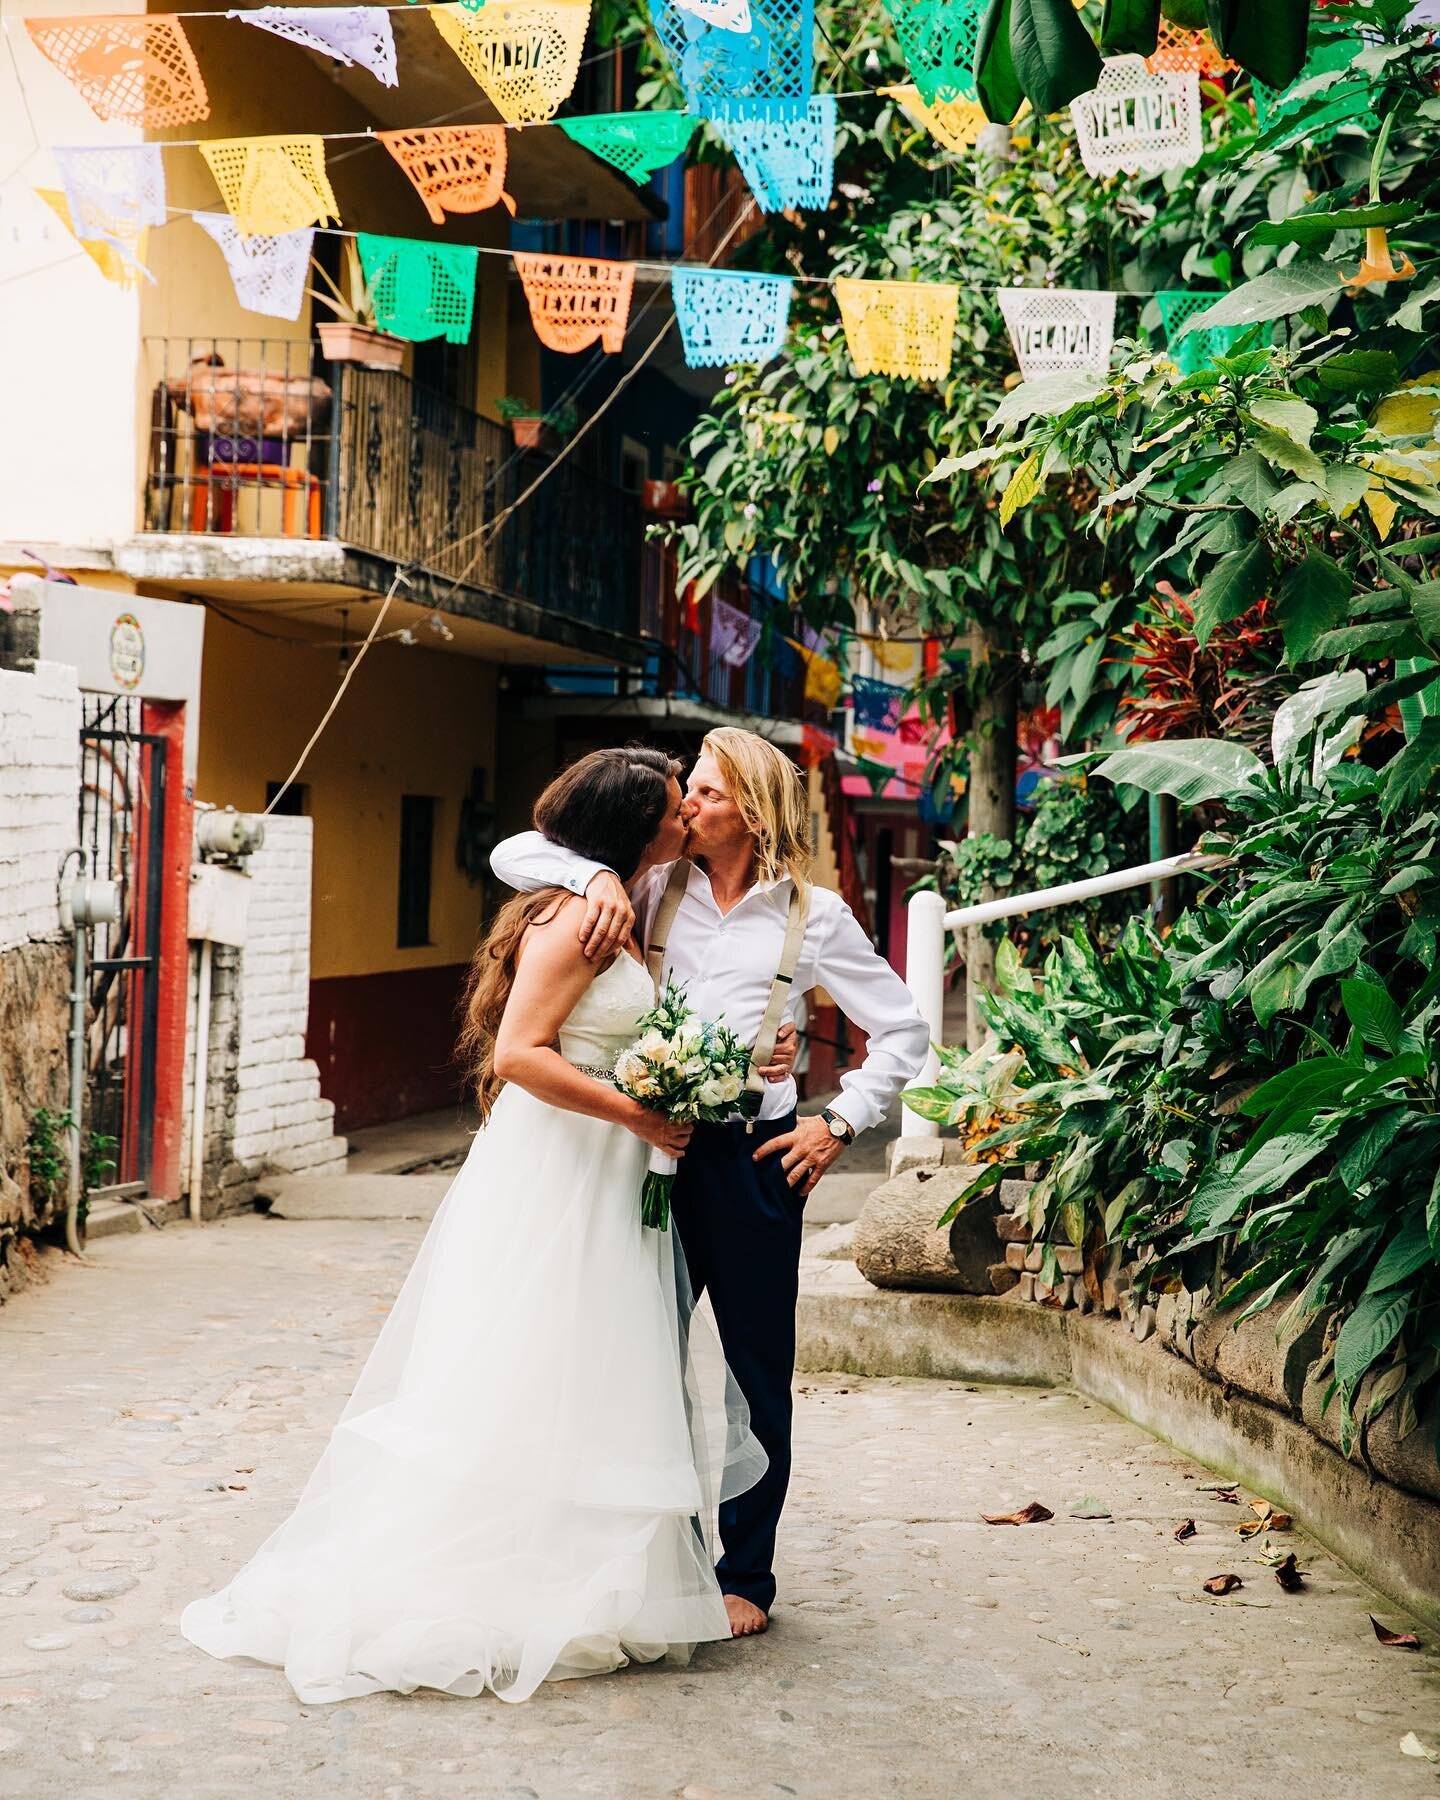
[39, 796]
[281, 1120]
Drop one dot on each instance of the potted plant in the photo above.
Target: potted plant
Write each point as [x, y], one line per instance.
[533, 429]
[352, 335]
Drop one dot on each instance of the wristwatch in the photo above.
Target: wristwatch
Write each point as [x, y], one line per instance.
[838, 1127]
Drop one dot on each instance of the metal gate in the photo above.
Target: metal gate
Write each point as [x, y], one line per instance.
[122, 817]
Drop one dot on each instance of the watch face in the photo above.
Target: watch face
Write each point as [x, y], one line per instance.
[837, 1127]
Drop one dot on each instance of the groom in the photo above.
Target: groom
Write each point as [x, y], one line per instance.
[731, 925]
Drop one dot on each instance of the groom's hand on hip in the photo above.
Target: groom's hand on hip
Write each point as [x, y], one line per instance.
[609, 917]
[787, 1045]
[805, 1153]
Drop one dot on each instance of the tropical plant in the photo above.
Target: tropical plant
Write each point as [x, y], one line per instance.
[1281, 1133]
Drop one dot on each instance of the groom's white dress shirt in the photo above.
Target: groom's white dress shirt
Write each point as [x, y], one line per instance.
[727, 964]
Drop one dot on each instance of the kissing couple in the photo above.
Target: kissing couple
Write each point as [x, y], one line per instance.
[521, 1486]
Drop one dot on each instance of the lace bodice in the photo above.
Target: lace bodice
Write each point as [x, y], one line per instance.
[605, 1019]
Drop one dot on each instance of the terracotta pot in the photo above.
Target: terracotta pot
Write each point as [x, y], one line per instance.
[363, 344]
[664, 499]
[532, 434]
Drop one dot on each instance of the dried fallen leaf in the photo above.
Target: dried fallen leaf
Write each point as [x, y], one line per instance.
[1227, 1496]
[1187, 1530]
[1250, 1527]
[1260, 1506]
[1222, 1584]
[1033, 1514]
[1278, 1521]
[1289, 1575]
[1410, 1745]
[1089, 1508]
[1394, 1640]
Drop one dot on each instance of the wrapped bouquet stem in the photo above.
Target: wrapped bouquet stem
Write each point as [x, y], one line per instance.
[688, 1068]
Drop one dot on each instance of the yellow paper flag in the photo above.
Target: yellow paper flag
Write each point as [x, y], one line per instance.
[904, 328]
[272, 184]
[122, 266]
[956, 124]
[822, 679]
[525, 54]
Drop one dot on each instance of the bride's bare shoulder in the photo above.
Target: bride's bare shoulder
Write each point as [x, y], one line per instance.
[552, 938]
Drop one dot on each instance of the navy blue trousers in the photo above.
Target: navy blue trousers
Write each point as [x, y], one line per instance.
[740, 1225]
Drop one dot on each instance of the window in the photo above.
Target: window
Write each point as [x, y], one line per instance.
[417, 840]
[294, 802]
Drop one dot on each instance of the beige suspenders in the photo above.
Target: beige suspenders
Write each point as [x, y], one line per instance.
[784, 977]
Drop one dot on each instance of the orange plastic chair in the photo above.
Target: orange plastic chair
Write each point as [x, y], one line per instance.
[228, 475]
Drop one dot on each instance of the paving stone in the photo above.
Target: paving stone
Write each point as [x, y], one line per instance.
[89, 1615]
[102, 1585]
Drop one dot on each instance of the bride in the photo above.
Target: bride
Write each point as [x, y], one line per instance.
[519, 1488]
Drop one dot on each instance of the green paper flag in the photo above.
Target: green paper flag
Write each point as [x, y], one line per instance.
[420, 290]
[635, 143]
[937, 39]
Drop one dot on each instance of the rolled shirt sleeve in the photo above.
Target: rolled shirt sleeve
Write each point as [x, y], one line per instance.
[529, 861]
[872, 996]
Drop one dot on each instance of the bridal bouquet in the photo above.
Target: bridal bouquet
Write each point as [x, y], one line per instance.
[687, 1068]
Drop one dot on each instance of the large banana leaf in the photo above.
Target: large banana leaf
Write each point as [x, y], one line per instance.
[1192, 769]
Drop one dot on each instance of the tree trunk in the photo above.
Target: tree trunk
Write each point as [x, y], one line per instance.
[991, 790]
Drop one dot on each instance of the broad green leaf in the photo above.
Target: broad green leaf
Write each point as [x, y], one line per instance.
[1046, 396]
[1406, 1252]
[1232, 587]
[1130, 27]
[1346, 486]
[1421, 705]
[1192, 769]
[1085, 668]
[1414, 771]
[1268, 41]
[1357, 371]
[1285, 412]
[1054, 56]
[1249, 479]
[1287, 453]
[1314, 229]
[1407, 316]
[1226, 1186]
[1432, 1216]
[1373, 1013]
[1298, 716]
[1425, 604]
[1272, 295]
[1367, 1334]
[1276, 990]
[931, 1103]
[997, 86]
[1313, 597]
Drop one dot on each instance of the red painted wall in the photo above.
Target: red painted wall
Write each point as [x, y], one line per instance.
[167, 720]
[385, 1043]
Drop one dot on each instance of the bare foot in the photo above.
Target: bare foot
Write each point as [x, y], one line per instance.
[746, 1619]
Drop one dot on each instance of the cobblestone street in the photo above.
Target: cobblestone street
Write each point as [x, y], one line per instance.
[163, 1405]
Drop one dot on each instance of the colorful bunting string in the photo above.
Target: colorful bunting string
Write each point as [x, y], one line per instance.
[112, 193]
[733, 634]
[785, 150]
[877, 704]
[823, 679]
[420, 290]
[937, 39]
[815, 746]
[1197, 348]
[272, 185]
[525, 54]
[350, 34]
[122, 265]
[268, 272]
[1178, 48]
[1059, 328]
[135, 68]
[956, 124]
[454, 168]
[899, 328]
[726, 316]
[773, 59]
[1135, 120]
[575, 300]
[637, 144]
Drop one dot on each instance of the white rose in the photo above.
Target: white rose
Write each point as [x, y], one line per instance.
[629, 1067]
[711, 1093]
[693, 1066]
[730, 1086]
[652, 1041]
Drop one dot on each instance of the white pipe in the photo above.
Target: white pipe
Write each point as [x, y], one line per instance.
[1071, 891]
[925, 977]
[202, 1069]
[77, 1088]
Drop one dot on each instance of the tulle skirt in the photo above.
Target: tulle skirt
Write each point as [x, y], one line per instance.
[522, 1483]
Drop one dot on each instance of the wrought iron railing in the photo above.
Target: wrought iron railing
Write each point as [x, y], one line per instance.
[769, 683]
[264, 438]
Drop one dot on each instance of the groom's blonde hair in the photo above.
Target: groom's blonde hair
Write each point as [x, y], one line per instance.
[770, 793]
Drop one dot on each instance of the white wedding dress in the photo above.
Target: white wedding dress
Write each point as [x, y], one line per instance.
[520, 1487]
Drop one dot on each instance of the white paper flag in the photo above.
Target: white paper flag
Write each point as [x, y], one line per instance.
[1059, 328]
[268, 272]
[351, 34]
[1135, 120]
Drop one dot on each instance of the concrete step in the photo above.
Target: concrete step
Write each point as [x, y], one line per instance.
[839, 1196]
[351, 1196]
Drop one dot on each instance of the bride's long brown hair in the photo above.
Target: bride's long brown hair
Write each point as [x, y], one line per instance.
[606, 807]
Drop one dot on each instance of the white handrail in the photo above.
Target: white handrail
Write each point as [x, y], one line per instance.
[928, 921]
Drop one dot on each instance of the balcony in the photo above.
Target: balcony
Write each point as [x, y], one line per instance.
[686, 668]
[263, 439]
